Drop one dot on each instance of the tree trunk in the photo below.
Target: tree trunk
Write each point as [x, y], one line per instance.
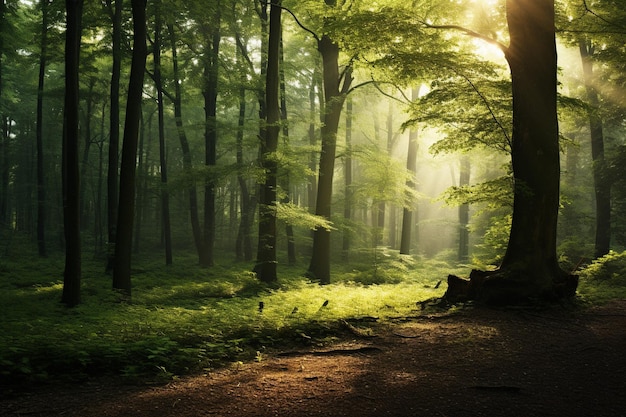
[464, 178]
[41, 188]
[265, 267]
[141, 189]
[347, 173]
[114, 131]
[126, 210]
[529, 269]
[211, 67]
[313, 160]
[184, 145]
[601, 183]
[98, 231]
[285, 183]
[165, 196]
[391, 216]
[71, 180]
[411, 166]
[84, 163]
[334, 96]
[243, 245]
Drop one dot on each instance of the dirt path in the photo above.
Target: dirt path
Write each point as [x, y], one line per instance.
[474, 363]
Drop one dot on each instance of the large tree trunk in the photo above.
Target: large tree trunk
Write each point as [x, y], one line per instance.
[265, 267]
[126, 210]
[71, 181]
[334, 97]
[529, 269]
[601, 183]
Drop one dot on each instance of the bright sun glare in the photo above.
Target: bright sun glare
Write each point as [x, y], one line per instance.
[486, 3]
[483, 48]
[488, 50]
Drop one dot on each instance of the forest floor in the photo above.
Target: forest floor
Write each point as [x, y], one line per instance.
[474, 362]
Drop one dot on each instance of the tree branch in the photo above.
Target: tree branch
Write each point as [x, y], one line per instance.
[469, 32]
[315, 36]
[608, 22]
[486, 102]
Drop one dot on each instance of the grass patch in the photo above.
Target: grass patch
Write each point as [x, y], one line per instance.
[184, 318]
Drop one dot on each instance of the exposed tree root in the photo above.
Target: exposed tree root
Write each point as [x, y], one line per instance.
[508, 287]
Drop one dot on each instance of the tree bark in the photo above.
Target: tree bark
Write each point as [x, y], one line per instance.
[71, 180]
[265, 267]
[126, 210]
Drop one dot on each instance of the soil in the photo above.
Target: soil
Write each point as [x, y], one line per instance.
[476, 362]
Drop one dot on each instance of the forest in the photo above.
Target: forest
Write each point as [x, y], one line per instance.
[186, 184]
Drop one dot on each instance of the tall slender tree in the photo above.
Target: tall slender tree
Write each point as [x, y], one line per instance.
[347, 176]
[165, 197]
[71, 180]
[602, 185]
[212, 37]
[126, 209]
[411, 166]
[464, 178]
[243, 245]
[115, 12]
[41, 189]
[265, 267]
[185, 148]
[285, 177]
[336, 86]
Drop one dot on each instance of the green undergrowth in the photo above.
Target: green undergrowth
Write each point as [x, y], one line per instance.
[184, 318]
[604, 279]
